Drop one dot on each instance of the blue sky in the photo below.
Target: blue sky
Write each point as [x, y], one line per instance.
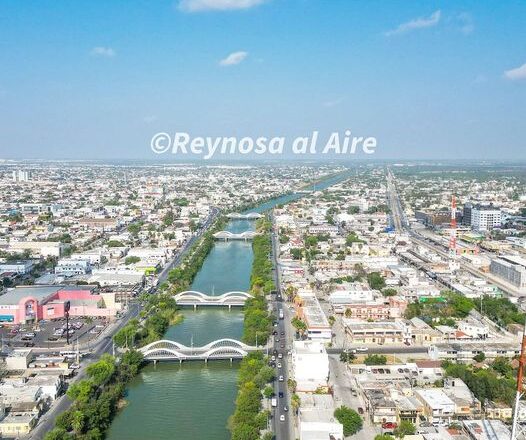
[97, 79]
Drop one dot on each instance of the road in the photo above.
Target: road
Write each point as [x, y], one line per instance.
[283, 430]
[179, 256]
[105, 343]
[342, 383]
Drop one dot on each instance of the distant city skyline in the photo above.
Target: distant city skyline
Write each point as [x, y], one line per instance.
[429, 80]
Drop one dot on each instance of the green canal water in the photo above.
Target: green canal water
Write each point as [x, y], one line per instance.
[193, 400]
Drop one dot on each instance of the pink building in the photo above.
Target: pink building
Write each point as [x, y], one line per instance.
[21, 305]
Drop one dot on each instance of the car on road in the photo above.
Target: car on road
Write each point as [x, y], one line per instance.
[279, 364]
[282, 418]
[280, 394]
[280, 356]
[281, 379]
[273, 358]
[74, 366]
[362, 349]
[285, 408]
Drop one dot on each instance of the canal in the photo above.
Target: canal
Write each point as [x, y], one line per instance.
[193, 400]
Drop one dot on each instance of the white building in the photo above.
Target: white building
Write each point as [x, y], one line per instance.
[19, 267]
[438, 407]
[475, 329]
[70, 267]
[310, 365]
[510, 268]
[485, 217]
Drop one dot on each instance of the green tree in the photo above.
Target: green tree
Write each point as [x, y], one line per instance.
[81, 391]
[376, 280]
[268, 392]
[384, 437]
[102, 371]
[375, 359]
[58, 434]
[479, 357]
[350, 419]
[404, 428]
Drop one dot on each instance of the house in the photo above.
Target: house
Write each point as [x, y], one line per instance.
[310, 365]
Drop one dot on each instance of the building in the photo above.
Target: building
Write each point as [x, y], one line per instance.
[309, 310]
[316, 418]
[438, 407]
[466, 214]
[434, 218]
[310, 365]
[465, 352]
[70, 267]
[21, 176]
[19, 267]
[485, 217]
[22, 305]
[486, 429]
[474, 328]
[510, 268]
[15, 424]
[380, 332]
[37, 248]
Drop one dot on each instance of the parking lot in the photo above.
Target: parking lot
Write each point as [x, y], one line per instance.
[52, 333]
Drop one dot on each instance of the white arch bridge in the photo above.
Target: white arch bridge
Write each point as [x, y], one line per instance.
[221, 349]
[194, 298]
[247, 216]
[227, 235]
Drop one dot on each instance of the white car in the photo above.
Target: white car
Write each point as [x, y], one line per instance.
[74, 366]
[281, 379]
[282, 418]
[279, 364]
[362, 349]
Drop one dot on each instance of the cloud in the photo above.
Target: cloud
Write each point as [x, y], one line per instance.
[217, 5]
[233, 59]
[104, 52]
[417, 23]
[517, 73]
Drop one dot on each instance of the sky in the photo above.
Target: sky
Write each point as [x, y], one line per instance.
[98, 79]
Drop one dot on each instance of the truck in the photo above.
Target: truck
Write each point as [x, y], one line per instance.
[274, 402]
[281, 315]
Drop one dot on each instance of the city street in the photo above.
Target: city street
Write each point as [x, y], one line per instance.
[283, 430]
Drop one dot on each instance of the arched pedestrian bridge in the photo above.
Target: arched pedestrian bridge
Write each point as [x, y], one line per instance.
[247, 216]
[227, 235]
[229, 299]
[167, 350]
